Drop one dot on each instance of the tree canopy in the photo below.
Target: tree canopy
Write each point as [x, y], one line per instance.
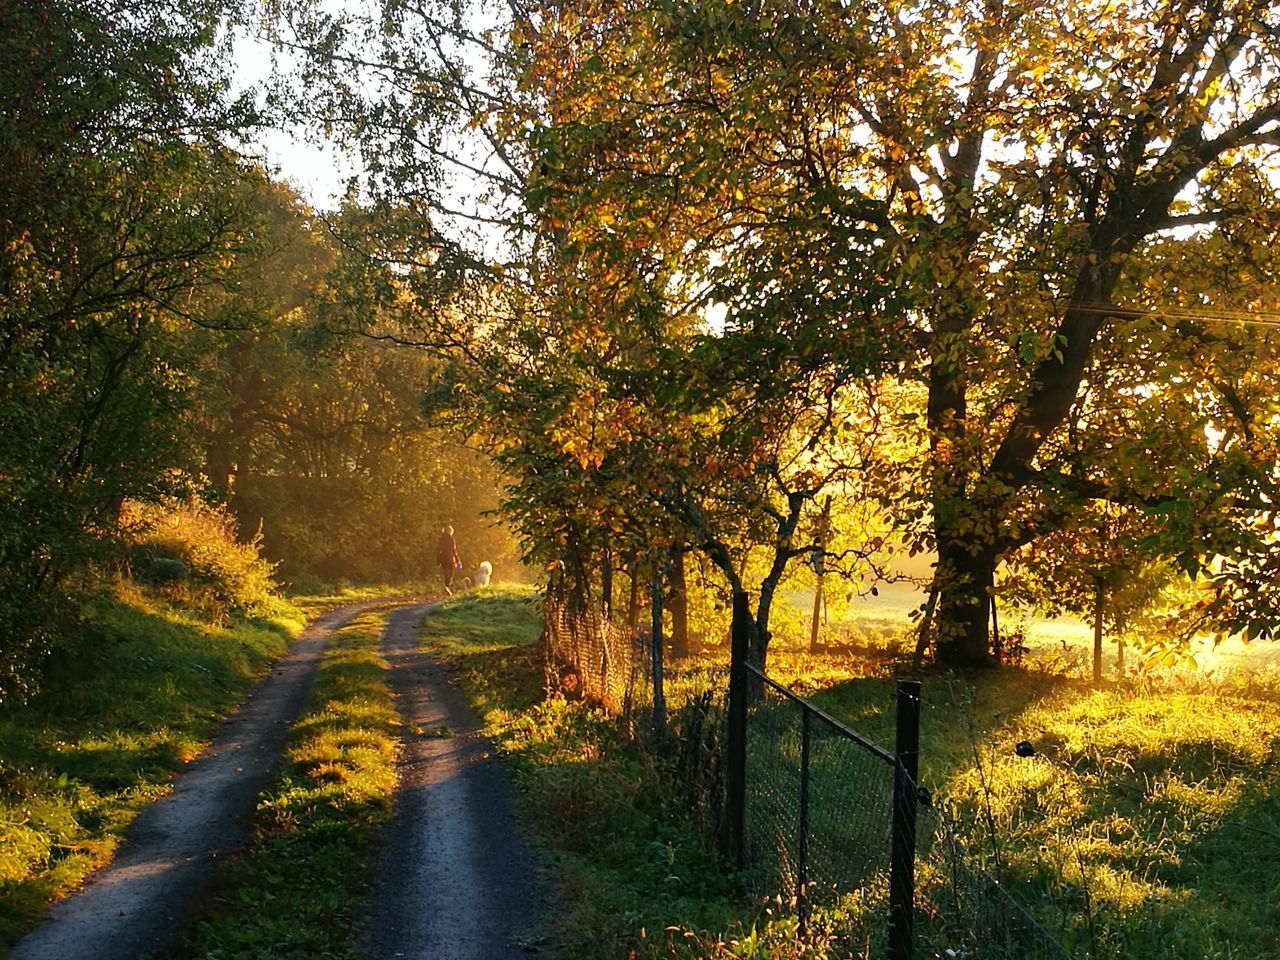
[990, 266]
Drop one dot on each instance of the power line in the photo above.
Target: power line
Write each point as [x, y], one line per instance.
[1236, 317]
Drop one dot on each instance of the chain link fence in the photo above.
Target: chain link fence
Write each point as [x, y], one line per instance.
[819, 804]
[824, 811]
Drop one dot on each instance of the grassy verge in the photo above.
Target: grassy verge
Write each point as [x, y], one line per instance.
[299, 890]
[131, 695]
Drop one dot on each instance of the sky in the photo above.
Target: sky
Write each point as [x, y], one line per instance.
[319, 172]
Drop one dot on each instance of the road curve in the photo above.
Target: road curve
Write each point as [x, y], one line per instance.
[457, 881]
[140, 901]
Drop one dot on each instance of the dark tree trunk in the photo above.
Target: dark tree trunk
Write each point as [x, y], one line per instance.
[633, 601]
[217, 464]
[606, 581]
[679, 606]
[1099, 599]
[964, 603]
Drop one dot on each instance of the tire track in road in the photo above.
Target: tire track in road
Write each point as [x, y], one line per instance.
[140, 901]
[457, 881]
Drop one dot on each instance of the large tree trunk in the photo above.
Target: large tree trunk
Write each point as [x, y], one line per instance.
[964, 602]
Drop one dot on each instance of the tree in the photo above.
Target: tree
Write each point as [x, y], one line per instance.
[313, 431]
[978, 206]
[119, 204]
[981, 200]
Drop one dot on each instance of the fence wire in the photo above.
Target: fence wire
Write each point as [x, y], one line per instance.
[967, 912]
[818, 818]
[590, 656]
[819, 834]
[819, 801]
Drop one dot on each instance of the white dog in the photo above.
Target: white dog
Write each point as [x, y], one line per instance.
[482, 575]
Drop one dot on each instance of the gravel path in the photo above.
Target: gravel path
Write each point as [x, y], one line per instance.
[457, 882]
[139, 902]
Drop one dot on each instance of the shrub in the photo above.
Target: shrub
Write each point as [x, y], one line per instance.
[190, 552]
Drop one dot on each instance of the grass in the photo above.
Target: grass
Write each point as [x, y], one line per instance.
[1142, 827]
[131, 695]
[299, 890]
[317, 598]
[1137, 828]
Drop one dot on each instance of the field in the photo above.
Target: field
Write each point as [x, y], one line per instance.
[1138, 827]
[1063, 645]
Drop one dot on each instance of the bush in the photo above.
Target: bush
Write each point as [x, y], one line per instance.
[189, 551]
[25, 640]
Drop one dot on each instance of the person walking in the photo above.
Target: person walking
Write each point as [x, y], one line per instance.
[447, 557]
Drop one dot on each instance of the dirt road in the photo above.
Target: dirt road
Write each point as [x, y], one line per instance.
[138, 902]
[457, 883]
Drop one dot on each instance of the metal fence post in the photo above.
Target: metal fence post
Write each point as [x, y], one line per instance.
[902, 865]
[656, 653]
[802, 854]
[735, 774]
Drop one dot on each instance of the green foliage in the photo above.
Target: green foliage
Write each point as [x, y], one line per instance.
[189, 550]
[315, 432]
[301, 888]
[131, 693]
[121, 207]
[930, 258]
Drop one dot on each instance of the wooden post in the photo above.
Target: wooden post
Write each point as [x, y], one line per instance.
[820, 568]
[606, 581]
[656, 647]
[802, 854]
[996, 646]
[926, 626]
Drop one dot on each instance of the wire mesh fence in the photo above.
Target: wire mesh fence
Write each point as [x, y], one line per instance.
[833, 820]
[831, 823]
[590, 656]
[819, 803]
